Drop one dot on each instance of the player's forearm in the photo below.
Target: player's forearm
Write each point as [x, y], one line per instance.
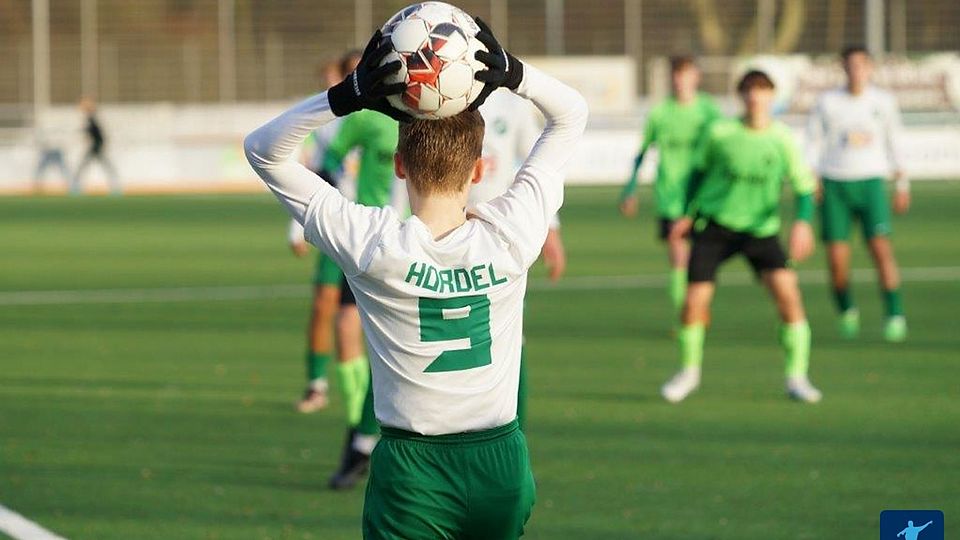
[631, 185]
[295, 232]
[804, 207]
[566, 113]
[270, 150]
[693, 186]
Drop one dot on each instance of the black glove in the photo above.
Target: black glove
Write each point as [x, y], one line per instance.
[503, 69]
[365, 87]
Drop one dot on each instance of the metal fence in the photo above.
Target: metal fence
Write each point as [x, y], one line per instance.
[55, 51]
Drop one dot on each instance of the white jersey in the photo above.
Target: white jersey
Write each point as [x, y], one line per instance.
[853, 137]
[443, 318]
[511, 131]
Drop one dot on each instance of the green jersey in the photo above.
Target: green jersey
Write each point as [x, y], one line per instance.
[375, 135]
[676, 130]
[743, 171]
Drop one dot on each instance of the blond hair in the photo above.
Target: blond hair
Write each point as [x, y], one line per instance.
[438, 154]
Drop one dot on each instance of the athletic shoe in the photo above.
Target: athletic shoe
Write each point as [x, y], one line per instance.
[895, 329]
[800, 389]
[313, 400]
[353, 466]
[850, 323]
[681, 385]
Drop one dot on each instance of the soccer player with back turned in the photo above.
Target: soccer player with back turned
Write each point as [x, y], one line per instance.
[733, 207]
[440, 294]
[854, 143]
[675, 127]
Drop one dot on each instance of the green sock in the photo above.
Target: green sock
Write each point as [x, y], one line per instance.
[843, 299]
[317, 365]
[361, 377]
[678, 287]
[795, 338]
[368, 424]
[893, 303]
[349, 387]
[522, 389]
[691, 337]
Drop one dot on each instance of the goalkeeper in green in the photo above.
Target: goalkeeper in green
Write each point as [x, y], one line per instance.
[733, 207]
[674, 127]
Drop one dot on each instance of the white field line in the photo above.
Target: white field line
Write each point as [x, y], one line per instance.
[21, 528]
[573, 283]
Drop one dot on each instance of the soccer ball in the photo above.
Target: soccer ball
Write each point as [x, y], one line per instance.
[435, 43]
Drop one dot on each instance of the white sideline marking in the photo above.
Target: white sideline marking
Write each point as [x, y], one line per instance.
[21, 528]
[649, 281]
[573, 283]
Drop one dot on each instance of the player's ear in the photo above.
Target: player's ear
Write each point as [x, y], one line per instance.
[477, 174]
[398, 168]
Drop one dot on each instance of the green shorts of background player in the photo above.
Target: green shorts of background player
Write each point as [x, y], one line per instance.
[733, 209]
[477, 486]
[675, 128]
[845, 202]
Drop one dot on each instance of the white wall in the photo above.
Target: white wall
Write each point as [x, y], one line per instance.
[187, 148]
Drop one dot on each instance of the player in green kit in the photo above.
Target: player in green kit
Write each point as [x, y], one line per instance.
[440, 293]
[674, 127]
[375, 136]
[327, 276]
[733, 207]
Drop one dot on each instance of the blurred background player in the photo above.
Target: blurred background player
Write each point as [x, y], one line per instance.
[95, 152]
[733, 207]
[854, 143]
[374, 135]
[674, 127]
[512, 128]
[50, 145]
[327, 276]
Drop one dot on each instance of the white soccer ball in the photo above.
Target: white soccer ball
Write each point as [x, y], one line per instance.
[435, 43]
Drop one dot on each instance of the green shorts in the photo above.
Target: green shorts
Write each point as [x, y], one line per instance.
[326, 271]
[465, 486]
[865, 200]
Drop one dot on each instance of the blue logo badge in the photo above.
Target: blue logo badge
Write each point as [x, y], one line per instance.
[911, 525]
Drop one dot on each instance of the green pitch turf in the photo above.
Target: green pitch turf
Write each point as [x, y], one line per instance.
[168, 414]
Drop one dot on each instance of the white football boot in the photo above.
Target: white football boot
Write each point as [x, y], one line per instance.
[799, 388]
[681, 385]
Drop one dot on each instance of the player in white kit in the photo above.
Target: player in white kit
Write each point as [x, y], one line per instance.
[854, 146]
[440, 294]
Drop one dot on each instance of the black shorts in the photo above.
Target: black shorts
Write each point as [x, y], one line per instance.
[715, 244]
[346, 293]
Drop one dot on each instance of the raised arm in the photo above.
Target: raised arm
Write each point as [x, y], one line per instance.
[270, 151]
[341, 229]
[524, 212]
[566, 113]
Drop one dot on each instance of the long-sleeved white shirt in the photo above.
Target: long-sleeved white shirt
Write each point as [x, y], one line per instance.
[854, 137]
[443, 318]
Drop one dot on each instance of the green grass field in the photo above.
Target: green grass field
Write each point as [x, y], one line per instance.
[168, 414]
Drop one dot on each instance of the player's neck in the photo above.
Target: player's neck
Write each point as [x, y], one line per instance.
[685, 98]
[757, 121]
[442, 214]
[856, 89]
